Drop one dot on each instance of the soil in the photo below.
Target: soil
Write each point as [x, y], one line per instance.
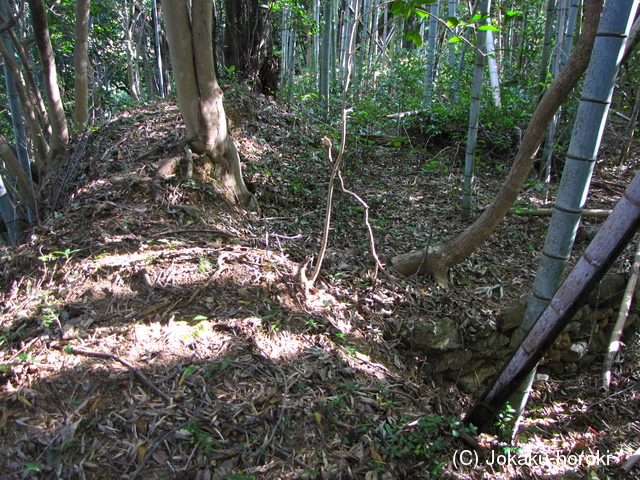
[172, 339]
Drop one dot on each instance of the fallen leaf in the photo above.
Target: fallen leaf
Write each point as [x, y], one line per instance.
[141, 452]
[376, 456]
[142, 425]
[160, 456]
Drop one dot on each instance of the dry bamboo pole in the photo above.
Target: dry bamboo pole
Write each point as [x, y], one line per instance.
[623, 314]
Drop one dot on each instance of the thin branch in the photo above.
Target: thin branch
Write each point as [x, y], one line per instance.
[623, 314]
[136, 371]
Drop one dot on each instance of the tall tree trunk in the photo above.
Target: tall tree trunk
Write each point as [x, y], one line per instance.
[8, 214]
[149, 77]
[494, 75]
[59, 130]
[453, 13]
[438, 261]
[199, 95]
[156, 42]
[427, 91]
[581, 157]
[453, 95]
[133, 70]
[247, 42]
[39, 143]
[325, 59]
[19, 131]
[543, 70]
[474, 115]
[81, 65]
[564, 41]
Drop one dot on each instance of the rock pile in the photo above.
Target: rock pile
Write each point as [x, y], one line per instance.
[470, 358]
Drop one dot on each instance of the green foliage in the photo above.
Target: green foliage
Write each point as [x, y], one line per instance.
[425, 439]
[505, 420]
[53, 256]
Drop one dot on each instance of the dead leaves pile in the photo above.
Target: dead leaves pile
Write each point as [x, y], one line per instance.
[140, 341]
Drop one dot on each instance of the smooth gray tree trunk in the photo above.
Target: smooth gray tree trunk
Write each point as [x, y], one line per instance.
[474, 115]
[429, 79]
[156, 38]
[81, 66]
[543, 70]
[325, 59]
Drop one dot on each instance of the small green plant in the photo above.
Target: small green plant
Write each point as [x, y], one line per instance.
[200, 437]
[53, 256]
[424, 438]
[313, 323]
[48, 316]
[505, 421]
[204, 265]
[188, 371]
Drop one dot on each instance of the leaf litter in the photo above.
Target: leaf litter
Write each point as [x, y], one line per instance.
[171, 340]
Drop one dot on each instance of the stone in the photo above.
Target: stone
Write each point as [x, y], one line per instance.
[631, 319]
[454, 360]
[513, 316]
[585, 361]
[563, 341]
[573, 326]
[542, 377]
[598, 343]
[575, 352]
[556, 367]
[609, 291]
[440, 335]
[471, 383]
[498, 341]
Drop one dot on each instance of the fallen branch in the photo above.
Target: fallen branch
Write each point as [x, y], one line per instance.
[623, 314]
[136, 371]
[404, 114]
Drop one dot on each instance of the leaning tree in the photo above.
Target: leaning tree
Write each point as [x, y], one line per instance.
[191, 43]
[438, 261]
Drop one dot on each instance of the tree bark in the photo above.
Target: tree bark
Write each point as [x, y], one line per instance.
[440, 260]
[81, 65]
[59, 130]
[247, 43]
[40, 145]
[474, 116]
[158, 50]
[199, 95]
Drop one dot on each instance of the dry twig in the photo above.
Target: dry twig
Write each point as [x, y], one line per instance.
[623, 314]
[136, 371]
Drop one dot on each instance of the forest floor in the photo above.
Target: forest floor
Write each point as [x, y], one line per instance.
[145, 340]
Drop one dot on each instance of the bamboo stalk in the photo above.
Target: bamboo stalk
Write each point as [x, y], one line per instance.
[623, 314]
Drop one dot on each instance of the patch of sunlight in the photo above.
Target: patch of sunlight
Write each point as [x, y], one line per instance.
[359, 361]
[280, 345]
[122, 259]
